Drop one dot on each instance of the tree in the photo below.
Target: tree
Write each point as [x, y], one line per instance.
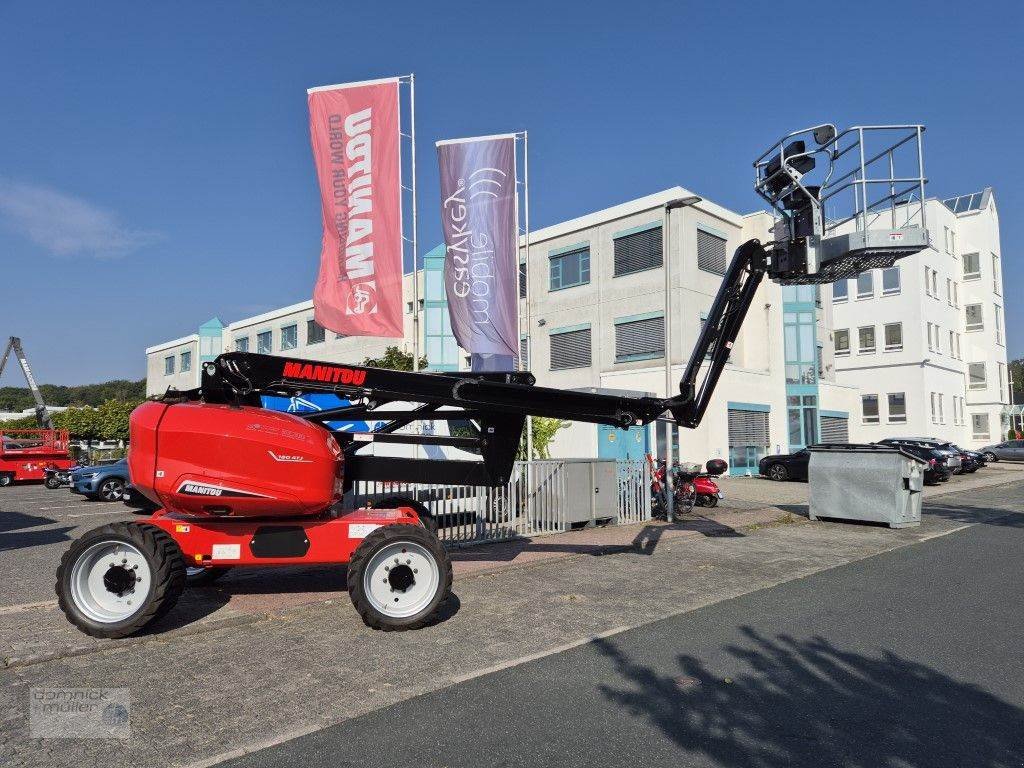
[20, 398]
[1016, 369]
[394, 359]
[544, 431]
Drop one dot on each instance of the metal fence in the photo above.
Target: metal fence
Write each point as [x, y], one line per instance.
[531, 504]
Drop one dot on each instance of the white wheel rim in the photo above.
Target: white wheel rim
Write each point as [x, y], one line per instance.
[388, 572]
[100, 581]
[110, 490]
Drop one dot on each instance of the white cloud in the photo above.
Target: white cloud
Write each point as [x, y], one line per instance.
[65, 225]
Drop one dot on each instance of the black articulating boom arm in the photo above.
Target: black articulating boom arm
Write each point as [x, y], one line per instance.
[496, 404]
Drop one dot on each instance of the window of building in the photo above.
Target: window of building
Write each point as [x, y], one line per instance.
[315, 333]
[821, 361]
[946, 233]
[711, 252]
[802, 418]
[749, 437]
[866, 339]
[975, 318]
[998, 321]
[289, 337]
[928, 331]
[897, 408]
[890, 281]
[522, 279]
[840, 290]
[637, 251]
[972, 266]
[408, 307]
[242, 344]
[942, 416]
[800, 347]
[1001, 375]
[186, 361]
[570, 348]
[893, 337]
[639, 338]
[949, 292]
[842, 339]
[959, 353]
[952, 243]
[996, 284]
[934, 411]
[979, 426]
[956, 294]
[952, 345]
[264, 344]
[524, 353]
[865, 286]
[976, 376]
[935, 283]
[570, 269]
[168, 365]
[869, 409]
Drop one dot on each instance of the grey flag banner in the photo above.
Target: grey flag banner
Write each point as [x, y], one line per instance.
[481, 267]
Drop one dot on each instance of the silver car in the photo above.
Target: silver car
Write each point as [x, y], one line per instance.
[1008, 450]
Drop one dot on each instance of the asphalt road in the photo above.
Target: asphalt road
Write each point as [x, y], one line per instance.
[910, 658]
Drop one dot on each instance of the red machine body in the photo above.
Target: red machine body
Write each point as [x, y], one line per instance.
[203, 460]
[25, 454]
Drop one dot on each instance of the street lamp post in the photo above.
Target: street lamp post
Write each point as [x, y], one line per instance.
[666, 253]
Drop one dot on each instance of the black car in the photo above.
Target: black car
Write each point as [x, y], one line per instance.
[785, 466]
[938, 469]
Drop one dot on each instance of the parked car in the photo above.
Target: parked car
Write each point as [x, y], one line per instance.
[972, 460]
[785, 466]
[1008, 450]
[949, 456]
[939, 468]
[105, 483]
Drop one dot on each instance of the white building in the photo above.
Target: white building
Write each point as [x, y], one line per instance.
[595, 318]
[924, 342]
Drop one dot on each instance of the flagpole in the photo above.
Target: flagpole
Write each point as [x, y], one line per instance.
[415, 252]
[526, 205]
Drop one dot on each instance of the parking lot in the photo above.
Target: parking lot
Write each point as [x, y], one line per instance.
[271, 654]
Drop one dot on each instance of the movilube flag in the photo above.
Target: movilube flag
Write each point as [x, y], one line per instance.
[481, 267]
[355, 134]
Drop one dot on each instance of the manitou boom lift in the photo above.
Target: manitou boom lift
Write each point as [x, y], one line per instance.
[240, 485]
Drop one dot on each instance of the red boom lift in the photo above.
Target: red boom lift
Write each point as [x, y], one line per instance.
[239, 485]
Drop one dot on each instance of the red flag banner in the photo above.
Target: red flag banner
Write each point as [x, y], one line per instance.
[355, 134]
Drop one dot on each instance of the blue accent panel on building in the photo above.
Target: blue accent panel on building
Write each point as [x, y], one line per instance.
[634, 230]
[761, 407]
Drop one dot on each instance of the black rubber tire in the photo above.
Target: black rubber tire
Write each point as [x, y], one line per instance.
[778, 472]
[990, 457]
[6, 479]
[166, 564]
[707, 500]
[205, 576]
[382, 537]
[393, 502]
[112, 482]
[52, 483]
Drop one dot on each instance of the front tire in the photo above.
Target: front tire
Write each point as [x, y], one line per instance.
[398, 577]
[6, 479]
[111, 489]
[52, 483]
[778, 472]
[990, 457]
[119, 578]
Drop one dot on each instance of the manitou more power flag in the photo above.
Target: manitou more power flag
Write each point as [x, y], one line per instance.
[481, 267]
[355, 134]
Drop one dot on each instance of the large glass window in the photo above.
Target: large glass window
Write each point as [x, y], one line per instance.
[800, 347]
[890, 281]
[264, 343]
[979, 426]
[996, 284]
[976, 376]
[242, 344]
[802, 420]
[842, 337]
[869, 408]
[865, 285]
[893, 337]
[168, 365]
[569, 269]
[972, 266]
[897, 408]
[840, 290]
[186, 361]
[289, 337]
[866, 339]
[315, 332]
[974, 316]
[998, 322]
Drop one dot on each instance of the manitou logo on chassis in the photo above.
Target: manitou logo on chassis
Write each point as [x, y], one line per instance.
[333, 374]
[201, 490]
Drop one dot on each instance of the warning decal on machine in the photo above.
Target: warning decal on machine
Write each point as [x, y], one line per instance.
[227, 551]
[361, 530]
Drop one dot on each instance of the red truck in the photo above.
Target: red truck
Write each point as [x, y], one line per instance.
[25, 454]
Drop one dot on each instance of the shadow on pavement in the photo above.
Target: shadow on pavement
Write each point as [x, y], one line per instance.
[1006, 518]
[24, 539]
[809, 703]
[15, 521]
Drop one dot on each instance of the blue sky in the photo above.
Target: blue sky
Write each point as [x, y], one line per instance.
[155, 167]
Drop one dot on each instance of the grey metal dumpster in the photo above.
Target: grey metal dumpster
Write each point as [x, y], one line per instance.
[866, 482]
[592, 494]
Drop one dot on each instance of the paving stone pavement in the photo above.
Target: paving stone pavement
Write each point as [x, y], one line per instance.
[232, 689]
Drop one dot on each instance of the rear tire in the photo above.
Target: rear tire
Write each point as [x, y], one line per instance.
[111, 489]
[424, 514]
[707, 500]
[6, 479]
[52, 483]
[119, 578]
[398, 577]
[778, 472]
[990, 457]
